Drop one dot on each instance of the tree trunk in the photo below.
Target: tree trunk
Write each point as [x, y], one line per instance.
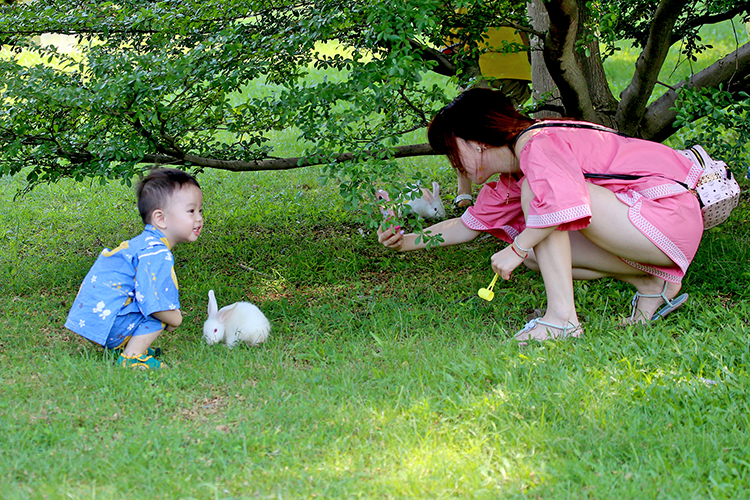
[605, 104]
[637, 94]
[543, 86]
[561, 60]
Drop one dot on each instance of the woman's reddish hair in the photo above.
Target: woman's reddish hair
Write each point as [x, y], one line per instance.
[481, 115]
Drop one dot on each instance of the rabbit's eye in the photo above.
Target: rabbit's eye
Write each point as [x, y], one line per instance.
[216, 330]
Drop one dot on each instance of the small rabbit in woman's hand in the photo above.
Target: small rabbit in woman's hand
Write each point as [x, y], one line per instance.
[241, 321]
[429, 206]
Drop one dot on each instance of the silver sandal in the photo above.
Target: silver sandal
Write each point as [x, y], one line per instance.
[461, 197]
[566, 330]
[671, 305]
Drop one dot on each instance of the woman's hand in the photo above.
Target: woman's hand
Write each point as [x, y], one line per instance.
[392, 238]
[453, 232]
[505, 261]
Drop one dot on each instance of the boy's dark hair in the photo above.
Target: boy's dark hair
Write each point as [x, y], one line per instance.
[154, 189]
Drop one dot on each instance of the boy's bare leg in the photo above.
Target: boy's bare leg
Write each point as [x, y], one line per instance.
[137, 346]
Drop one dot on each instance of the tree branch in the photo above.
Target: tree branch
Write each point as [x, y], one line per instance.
[699, 21]
[444, 66]
[733, 71]
[283, 163]
[635, 97]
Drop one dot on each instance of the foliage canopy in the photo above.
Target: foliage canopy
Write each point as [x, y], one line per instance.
[206, 83]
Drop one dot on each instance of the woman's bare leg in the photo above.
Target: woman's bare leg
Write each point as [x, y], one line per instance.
[612, 231]
[596, 252]
[591, 262]
[554, 257]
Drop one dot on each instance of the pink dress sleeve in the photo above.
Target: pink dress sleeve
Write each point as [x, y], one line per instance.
[555, 176]
[497, 210]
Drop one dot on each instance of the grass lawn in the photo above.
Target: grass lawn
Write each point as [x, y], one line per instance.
[385, 376]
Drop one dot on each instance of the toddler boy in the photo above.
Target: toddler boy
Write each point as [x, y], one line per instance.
[130, 295]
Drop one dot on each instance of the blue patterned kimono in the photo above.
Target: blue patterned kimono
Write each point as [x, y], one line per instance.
[123, 288]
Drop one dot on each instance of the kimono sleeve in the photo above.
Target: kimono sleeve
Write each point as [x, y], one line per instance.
[497, 210]
[155, 281]
[555, 176]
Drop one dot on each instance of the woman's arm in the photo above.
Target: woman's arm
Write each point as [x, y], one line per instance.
[453, 232]
[510, 257]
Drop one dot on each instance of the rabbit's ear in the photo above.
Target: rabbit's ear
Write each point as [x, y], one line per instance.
[426, 195]
[436, 190]
[225, 312]
[213, 307]
[382, 194]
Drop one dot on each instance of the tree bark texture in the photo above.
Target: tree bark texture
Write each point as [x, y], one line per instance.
[560, 58]
[542, 84]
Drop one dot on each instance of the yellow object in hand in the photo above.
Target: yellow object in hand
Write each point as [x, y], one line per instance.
[487, 293]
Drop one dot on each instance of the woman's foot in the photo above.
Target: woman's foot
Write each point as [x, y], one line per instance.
[540, 330]
[463, 200]
[654, 299]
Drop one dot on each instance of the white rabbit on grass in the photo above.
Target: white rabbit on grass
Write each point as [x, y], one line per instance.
[238, 322]
[429, 206]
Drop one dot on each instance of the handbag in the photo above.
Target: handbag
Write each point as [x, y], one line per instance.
[717, 190]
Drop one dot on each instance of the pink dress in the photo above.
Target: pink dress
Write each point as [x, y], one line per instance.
[554, 162]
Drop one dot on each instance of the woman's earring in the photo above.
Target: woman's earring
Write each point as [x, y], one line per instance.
[480, 167]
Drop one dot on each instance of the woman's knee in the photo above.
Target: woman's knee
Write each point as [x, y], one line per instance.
[531, 263]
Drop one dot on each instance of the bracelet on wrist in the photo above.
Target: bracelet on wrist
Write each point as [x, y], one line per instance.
[513, 247]
[524, 250]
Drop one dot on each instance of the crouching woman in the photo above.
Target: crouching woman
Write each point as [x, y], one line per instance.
[574, 200]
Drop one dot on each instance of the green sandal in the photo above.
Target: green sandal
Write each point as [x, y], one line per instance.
[143, 362]
[151, 352]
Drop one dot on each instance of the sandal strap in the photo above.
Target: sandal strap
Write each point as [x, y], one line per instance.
[638, 295]
[570, 326]
[566, 330]
[462, 197]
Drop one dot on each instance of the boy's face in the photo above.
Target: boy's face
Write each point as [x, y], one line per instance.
[182, 218]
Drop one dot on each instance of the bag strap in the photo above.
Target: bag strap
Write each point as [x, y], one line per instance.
[589, 126]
